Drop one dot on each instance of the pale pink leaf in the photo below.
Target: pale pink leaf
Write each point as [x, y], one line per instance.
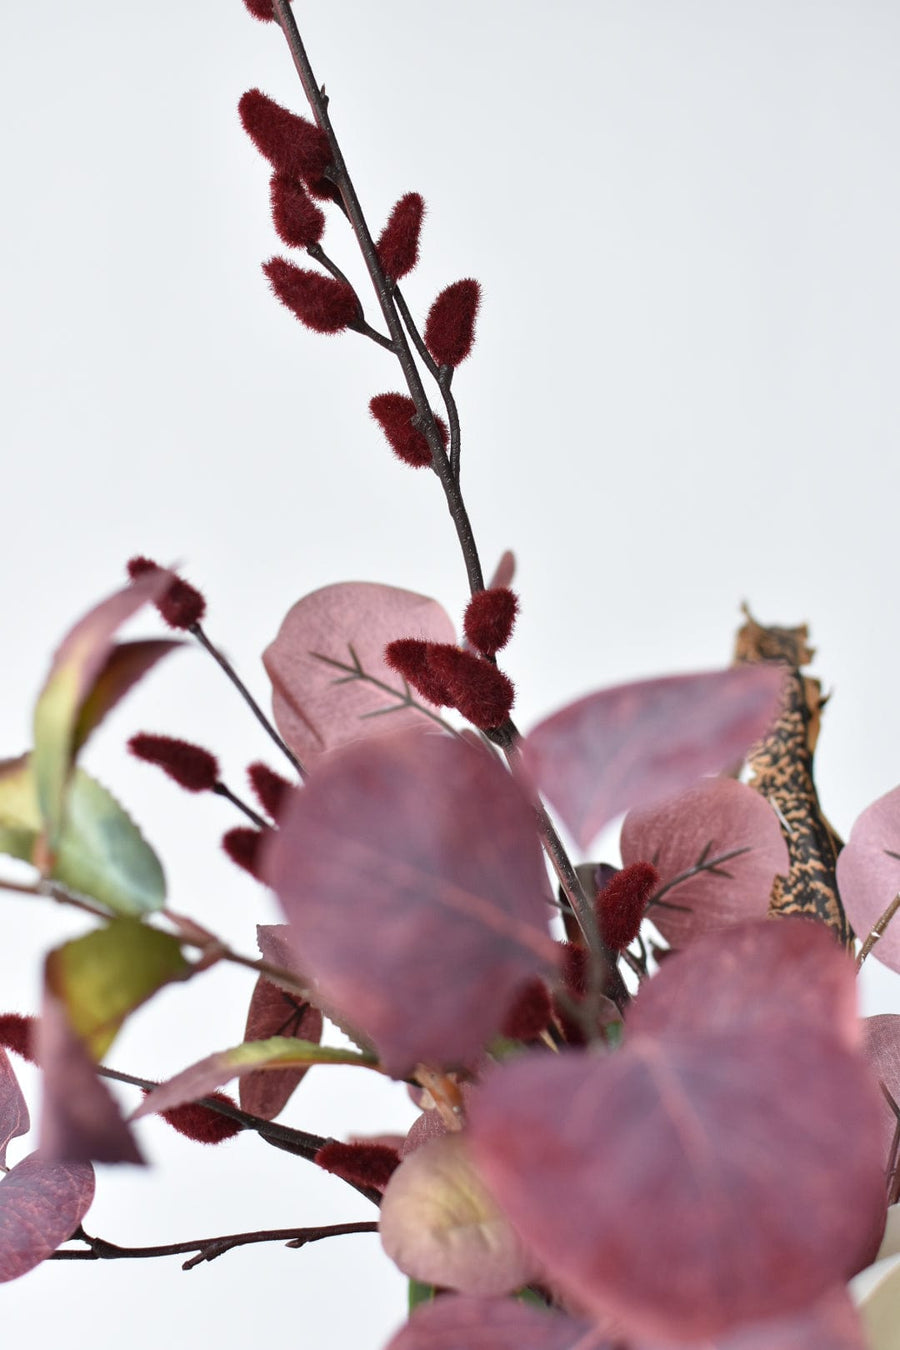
[638, 743]
[868, 874]
[882, 1043]
[318, 704]
[689, 1184]
[764, 975]
[14, 1119]
[410, 870]
[717, 847]
[41, 1205]
[457, 1322]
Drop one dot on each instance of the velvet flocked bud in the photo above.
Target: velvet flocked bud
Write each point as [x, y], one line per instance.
[321, 303]
[182, 606]
[477, 689]
[296, 217]
[409, 657]
[291, 144]
[489, 619]
[192, 767]
[362, 1163]
[450, 326]
[270, 788]
[529, 1013]
[244, 845]
[394, 414]
[261, 9]
[202, 1124]
[398, 246]
[18, 1033]
[622, 903]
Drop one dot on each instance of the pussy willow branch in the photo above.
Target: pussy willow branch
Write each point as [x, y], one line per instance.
[207, 1249]
[384, 291]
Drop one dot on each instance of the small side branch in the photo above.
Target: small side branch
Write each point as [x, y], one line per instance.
[878, 931]
[205, 1249]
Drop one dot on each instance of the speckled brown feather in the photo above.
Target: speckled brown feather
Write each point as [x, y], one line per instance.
[782, 765]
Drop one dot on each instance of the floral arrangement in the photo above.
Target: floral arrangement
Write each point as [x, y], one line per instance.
[649, 1114]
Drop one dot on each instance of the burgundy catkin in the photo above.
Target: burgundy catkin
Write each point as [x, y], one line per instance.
[202, 1124]
[269, 788]
[622, 903]
[182, 606]
[18, 1033]
[450, 326]
[291, 144]
[321, 303]
[297, 219]
[398, 245]
[481, 692]
[489, 619]
[189, 765]
[365, 1164]
[394, 413]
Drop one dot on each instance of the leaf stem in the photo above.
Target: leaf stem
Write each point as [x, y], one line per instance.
[878, 931]
[207, 1249]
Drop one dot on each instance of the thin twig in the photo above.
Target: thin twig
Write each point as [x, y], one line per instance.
[223, 662]
[207, 1249]
[223, 790]
[361, 326]
[878, 931]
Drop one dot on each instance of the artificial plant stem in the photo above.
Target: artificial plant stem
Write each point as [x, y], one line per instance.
[197, 631]
[223, 790]
[383, 290]
[440, 377]
[207, 1249]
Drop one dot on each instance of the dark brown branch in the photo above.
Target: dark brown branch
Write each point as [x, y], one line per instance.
[223, 790]
[207, 1249]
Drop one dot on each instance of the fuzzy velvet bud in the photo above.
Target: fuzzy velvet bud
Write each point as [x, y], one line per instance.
[529, 1013]
[291, 144]
[622, 903]
[398, 246]
[409, 658]
[481, 692]
[362, 1163]
[202, 1124]
[489, 619]
[321, 303]
[297, 219]
[450, 326]
[182, 606]
[192, 767]
[394, 414]
[269, 788]
[18, 1033]
[243, 845]
[262, 10]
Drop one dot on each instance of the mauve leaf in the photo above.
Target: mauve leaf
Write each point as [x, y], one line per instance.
[80, 1119]
[882, 1045]
[14, 1118]
[127, 663]
[832, 1324]
[199, 1079]
[410, 870]
[440, 1225]
[504, 571]
[274, 1012]
[868, 874]
[77, 666]
[723, 832]
[103, 976]
[638, 743]
[319, 706]
[100, 851]
[41, 1205]
[763, 976]
[456, 1322]
[689, 1184]
[274, 942]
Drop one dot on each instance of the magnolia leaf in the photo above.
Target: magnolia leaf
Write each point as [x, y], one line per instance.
[767, 976]
[100, 851]
[80, 1119]
[689, 1184]
[207, 1074]
[102, 977]
[410, 870]
[440, 1225]
[868, 874]
[14, 1118]
[41, 1205]
[454, 1321]
[638, 743]
[275, 1012]
[717, 847]
[77, 666]
[323, 645]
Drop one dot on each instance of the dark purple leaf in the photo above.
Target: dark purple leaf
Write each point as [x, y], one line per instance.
[688, 1185]
[717, 847]
[868, 874]
[635, 744]
[882, 1044]
[410, 870]
[753, 976]
[80, 1120]
[318, 704]
[41, 1205]
[126, 664]
[275, 1012]
[441, 1227]
[455, 1322]
[13, 1109]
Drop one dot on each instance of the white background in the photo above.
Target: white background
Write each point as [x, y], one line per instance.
[685, 218]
